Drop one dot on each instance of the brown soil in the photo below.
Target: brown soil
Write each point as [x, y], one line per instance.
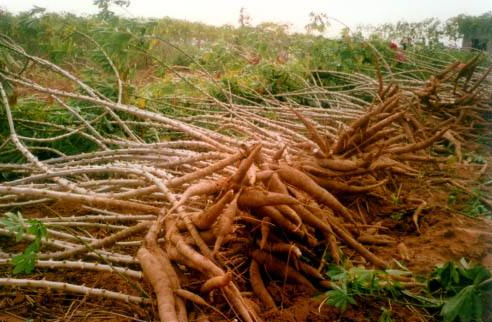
[309, 310]
[445, 237]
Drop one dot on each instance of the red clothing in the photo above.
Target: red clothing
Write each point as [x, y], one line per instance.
[400, 57]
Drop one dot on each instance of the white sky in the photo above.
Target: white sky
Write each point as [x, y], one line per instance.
[218, 12]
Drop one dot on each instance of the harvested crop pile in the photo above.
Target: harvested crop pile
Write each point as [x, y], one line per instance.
[215, 221]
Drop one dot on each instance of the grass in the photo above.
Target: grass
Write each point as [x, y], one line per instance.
[475, 208]
[471, 206]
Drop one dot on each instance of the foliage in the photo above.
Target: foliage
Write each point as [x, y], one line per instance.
[339, 297]
[385, 315]
[244, 18]
[318, 22]
[472, 25]
[266, 59]
[459, 292]
[33, 112]
[16, 224]
[475, 158]
[349, 284]
[431, 32]
[104, 5]
[131, 42]
[471, 206]
[466, 289]
[475, 207]
[397, 216]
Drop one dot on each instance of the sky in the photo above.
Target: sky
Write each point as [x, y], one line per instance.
[296, 13]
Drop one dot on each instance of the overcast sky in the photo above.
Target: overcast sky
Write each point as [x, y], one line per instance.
[218, 12]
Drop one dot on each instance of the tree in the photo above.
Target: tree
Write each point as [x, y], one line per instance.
[103, 5]
[318, 22]
[425, 32]
[244, 18]
[460, 25]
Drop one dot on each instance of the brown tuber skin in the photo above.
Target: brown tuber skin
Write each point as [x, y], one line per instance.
[279, 219]
[276, 185]
[352, 242]
[190, 296]
[244, 166]
[225, 223]
[341, 186]
[160, 281]
[201, 188]
[207, 218]
[216, 282]
[266, 222]
[259, 287]
[254, 198]
[341, 164]
[304, 182]
[313, 133]
[281, 269]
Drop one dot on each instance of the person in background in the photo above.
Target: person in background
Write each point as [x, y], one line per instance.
[399, 55]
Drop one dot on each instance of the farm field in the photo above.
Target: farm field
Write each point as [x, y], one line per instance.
[164, 170]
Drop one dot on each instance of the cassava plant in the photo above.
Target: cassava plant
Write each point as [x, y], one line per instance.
[15, 224]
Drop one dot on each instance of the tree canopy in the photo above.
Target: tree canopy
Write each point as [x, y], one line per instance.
[475, 25]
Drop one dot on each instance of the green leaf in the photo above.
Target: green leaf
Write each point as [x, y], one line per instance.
[466, 305]
[476, 274]
[15, 224]
[25, 262]
[37, 228]
[385, 316]
[337, 273]
[339, 297]
[364, 278]
[448, 275]
[424, 300]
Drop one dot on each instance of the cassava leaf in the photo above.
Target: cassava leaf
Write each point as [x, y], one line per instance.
[337, 273]
[364, 278]
[15, 224]
[25, 262]
[339, 297]
[476, 274]
[445, 277]
[37, 228]
[466, 305]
